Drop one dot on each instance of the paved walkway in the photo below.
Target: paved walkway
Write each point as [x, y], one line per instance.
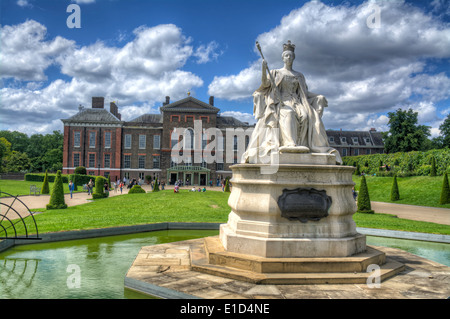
[420, 213]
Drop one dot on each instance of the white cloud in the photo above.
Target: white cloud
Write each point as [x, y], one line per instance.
[23, 3]
[362, 71]
[26, 54]
[207, 53]
[243, 117]
[142, 72]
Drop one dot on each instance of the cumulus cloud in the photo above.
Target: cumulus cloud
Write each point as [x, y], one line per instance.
[26, 53]
[207, 53]
[360, 69]
[139, 74]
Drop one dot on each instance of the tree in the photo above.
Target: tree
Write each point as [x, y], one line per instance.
[364, 205]
[99, 188]
[227, 185]
[433, 167]
[405, 135]
[445, 132]
[17, 162]
[57, 197]
[45, 186]
[395, 195]
[445, 193]
[155, 185]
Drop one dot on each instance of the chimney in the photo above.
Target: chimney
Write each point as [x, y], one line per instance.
[211, 100]
[114, 109]
[373, 129]
[167, 101]
[98, 102]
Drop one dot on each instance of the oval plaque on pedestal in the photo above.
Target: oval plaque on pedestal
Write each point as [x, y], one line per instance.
[304, 204]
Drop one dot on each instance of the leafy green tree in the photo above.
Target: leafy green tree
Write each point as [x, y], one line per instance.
[364, 205]
[19, 141]
[81, 170]
[405, 134]
[395, 195]
[45, 185]
[445, 193]
[17, 162]
[57, 197]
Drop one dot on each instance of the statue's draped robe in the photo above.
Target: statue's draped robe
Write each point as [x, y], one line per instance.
[267, 108]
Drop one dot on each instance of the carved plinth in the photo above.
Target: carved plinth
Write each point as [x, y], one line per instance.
[302, 210]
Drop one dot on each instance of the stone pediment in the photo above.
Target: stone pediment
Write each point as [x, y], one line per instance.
[189, 104]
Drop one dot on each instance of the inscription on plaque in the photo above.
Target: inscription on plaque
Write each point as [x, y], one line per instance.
[304, 204]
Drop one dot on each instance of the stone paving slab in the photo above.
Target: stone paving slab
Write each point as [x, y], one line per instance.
[421, 279]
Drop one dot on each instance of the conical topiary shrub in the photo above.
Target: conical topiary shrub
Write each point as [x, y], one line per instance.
[364, 198]
[395, 195]
[99, 188]
[45, 186]
[155, 185]
[227, 185]
[136, 189]
[445, 193]
[57, 196]
[357, 171]
[433, 167]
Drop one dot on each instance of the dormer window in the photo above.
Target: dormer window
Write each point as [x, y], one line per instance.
[343, 140]
[355, 140]
[331, 139]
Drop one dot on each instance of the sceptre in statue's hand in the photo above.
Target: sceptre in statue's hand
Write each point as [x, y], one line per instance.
[265, 68]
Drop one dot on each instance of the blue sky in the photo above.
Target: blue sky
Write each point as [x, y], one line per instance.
[136, 52]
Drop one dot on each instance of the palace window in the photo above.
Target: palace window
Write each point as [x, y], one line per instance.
[92, 136]
[76, 139]
[141, 161]
[127, 161]
[107, 139]
[76, 159]
[127, 140]
[156, 142]
[107, 160]
[91, 160]
[156, 161]
[142, 141]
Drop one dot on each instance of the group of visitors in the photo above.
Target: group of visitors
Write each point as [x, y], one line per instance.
[199, 189]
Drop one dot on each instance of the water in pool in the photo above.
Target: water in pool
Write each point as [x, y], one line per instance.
[96, 268]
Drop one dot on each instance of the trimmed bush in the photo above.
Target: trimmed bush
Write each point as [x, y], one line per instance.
[45, 186]
[227, 186]
[31, 177]
[57, 196]
[433, 167]
[357, 171]
[99, 188]
[364, 205]
[136, 189]
[155, 185]
[81, 170]
[445, 193]
[73, 178]
[395, 195]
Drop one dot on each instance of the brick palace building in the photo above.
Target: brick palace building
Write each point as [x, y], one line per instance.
[100, 141]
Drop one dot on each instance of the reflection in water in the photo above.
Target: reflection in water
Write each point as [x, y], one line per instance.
[44, 270]
[102, 264]
[16, 275]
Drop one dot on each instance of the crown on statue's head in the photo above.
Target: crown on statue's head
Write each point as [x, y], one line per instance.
[288, 46]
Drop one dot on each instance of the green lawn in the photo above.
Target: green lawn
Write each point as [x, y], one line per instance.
[23, 187]
[212, 206]
[415, 190]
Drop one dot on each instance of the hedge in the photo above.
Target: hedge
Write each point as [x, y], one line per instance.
[99, 188]
[402, 164]
[35, 177]
[136, 189]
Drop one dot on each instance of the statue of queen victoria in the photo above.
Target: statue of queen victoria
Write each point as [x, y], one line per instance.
[289, 116]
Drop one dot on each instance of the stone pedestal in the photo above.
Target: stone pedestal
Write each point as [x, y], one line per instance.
[303, 210]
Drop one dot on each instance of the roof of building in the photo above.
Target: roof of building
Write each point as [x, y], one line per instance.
[148, 119]
[370, 138]
[93, 115]
[189, 104]
[230, 121]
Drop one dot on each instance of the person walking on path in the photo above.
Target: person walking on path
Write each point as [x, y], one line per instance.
[71, 188]
[90, 186]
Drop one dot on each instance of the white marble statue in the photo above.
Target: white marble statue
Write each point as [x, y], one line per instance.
[288, 114]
